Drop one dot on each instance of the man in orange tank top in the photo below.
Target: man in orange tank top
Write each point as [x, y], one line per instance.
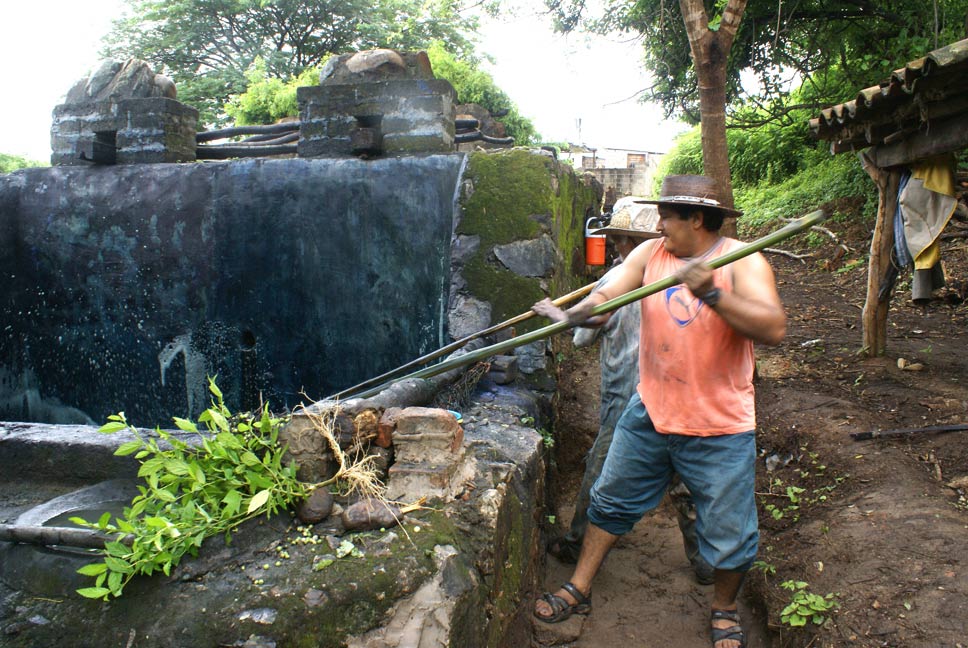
[693, 411]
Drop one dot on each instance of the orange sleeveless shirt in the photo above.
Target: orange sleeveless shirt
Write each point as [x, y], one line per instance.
[695, 371]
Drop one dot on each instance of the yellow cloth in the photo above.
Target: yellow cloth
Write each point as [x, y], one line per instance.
[927, 204]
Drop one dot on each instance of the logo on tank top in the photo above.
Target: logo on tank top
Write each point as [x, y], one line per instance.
[682, 306]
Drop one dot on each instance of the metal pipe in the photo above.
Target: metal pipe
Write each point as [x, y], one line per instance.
[222, 133]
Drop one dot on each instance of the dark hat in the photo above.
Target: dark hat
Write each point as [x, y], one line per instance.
[694, 191]
[633, 220]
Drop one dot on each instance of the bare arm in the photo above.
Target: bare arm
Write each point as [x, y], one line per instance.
[753, 308]
[626, 277]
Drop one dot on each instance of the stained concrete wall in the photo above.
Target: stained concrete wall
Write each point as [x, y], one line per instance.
[124, 287]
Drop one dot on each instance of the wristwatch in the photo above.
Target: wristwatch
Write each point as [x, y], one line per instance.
[711, 298]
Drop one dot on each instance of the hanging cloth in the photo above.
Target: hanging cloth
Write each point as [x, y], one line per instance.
[927, 203]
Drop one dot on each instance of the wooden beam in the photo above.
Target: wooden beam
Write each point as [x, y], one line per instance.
[874, 316]
[934, 138]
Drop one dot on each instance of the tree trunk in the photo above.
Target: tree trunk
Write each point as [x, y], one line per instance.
[710, 52]
[876, 305]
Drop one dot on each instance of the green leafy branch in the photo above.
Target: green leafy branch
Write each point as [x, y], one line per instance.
[191, 492]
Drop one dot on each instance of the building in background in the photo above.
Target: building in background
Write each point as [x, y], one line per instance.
[623, 172]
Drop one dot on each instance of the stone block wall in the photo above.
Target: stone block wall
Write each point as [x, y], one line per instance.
[407, 116]
[124, 131]
[519, 239]
[625, 182]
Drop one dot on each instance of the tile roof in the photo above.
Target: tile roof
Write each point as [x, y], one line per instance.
[929, 88]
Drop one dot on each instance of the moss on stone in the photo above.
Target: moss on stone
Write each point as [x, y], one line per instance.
[508, 293]
[509, 187]
[518, 195]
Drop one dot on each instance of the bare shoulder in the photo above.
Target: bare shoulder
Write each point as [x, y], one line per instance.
[641, 254]
[754, 274]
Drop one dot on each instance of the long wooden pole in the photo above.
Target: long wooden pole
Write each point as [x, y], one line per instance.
[785, 232]
[457, 344]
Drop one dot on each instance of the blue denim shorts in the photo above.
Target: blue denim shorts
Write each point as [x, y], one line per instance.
[718, 470]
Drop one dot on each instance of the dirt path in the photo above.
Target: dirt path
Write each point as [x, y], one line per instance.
[880, 526]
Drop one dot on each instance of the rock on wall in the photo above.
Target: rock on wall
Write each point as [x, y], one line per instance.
[519, 239]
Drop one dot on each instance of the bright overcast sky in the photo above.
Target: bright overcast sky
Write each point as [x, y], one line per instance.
[47, 45]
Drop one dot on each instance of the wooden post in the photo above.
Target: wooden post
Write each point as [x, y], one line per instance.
[874, 317]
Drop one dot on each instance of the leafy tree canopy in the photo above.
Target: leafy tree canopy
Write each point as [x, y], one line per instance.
[474, 85]
[860, 41]
[10, 163]
[208, 46]
[268, 99]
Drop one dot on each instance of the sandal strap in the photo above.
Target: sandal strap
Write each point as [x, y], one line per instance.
[729, 615]
[557, 604]
[580, 598]
[732, 633]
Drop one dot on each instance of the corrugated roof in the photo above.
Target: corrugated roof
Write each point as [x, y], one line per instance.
[931, 87]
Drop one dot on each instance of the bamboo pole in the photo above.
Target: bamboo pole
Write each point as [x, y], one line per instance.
[457, 344]
[785, 232]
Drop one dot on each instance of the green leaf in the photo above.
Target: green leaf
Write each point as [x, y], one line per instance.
[79, 521]
[94, 592]
[164, 495]
[93, 569]
[151, 466]
[116, 549]
[212, 387]
[114, 582]
[127, 448]
[228, 440]
[249, 459]
[176, 467]
[196, 472]
[112, 427]
[102, 521]
[185, 425]
[232, 501]
[118, 565]
[258, 501]
[218, 419]
[125, 526]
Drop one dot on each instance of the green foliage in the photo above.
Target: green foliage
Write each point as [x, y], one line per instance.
[806, 607]
[825, 181]
[207, 46]
[764, 567]
[268, 99]
[547, 438]
[191, 493]
[865, 41]
[10, 163]
[474, 85]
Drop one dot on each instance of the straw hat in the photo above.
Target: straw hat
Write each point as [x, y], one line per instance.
[692, 190]
[633, 220]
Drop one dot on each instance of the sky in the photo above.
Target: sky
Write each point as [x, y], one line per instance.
[572, 88]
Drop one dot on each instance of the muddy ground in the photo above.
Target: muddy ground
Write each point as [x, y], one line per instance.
[881, 526]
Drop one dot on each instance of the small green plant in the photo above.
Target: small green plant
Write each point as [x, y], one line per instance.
[527, 420]
[850, 265]
[791, 494]
[764, 567]
[547, 438]
[806, 607]
[191, 492]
